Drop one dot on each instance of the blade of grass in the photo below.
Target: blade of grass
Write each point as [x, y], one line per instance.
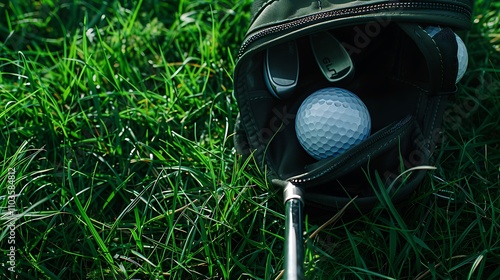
[88, 223]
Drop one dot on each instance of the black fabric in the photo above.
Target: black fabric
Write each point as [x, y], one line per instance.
[401, 73]
[257, 6]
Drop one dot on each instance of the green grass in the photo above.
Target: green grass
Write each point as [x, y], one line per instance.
[118, 121]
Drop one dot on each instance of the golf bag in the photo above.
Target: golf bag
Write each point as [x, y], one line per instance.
[402, 74]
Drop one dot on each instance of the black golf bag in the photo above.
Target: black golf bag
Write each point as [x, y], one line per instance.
[401, 72]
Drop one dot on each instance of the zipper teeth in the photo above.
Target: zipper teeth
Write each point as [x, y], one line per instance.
[396, 127]
[351, 11]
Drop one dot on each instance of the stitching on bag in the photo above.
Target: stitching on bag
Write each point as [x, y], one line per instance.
[440, 60]
[433, 123]
[258, 98]
[437, 104]
[387, 143]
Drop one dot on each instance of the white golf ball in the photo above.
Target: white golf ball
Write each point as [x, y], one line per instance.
[462, 55]
[330, 121]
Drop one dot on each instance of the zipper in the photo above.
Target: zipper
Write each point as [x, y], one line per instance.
[328, 15]
[325, 174]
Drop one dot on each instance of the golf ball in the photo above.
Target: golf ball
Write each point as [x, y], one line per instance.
[330, 121]
[462, 55]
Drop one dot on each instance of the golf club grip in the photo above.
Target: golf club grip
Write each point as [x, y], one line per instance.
[294, 246]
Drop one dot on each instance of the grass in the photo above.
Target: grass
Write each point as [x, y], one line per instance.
[117, 121]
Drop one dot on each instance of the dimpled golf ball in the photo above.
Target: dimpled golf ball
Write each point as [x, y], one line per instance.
[462, 55]
[330, 121]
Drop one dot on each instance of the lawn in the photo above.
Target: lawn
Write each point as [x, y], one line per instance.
[117, 158]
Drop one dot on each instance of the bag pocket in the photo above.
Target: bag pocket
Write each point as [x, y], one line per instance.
[386, 154]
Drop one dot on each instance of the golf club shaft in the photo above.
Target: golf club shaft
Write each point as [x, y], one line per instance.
[294, 246]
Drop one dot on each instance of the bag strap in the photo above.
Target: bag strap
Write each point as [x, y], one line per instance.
[442, 63]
